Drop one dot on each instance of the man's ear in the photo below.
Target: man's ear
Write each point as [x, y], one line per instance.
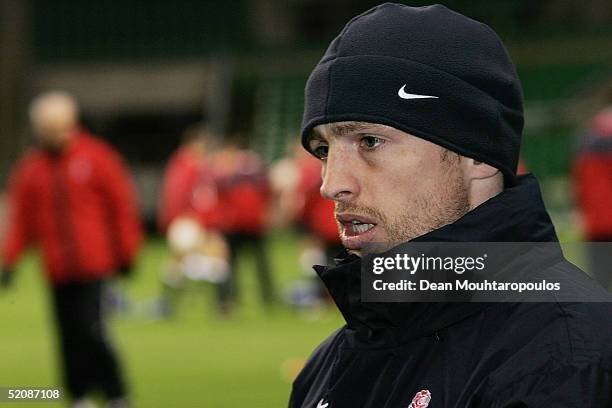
[477, 170]
[483, 181]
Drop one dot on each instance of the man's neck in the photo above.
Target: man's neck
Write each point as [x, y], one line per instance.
[483, 190]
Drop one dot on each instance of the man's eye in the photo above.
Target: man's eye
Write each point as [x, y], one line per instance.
[321, 151]
[370, 142]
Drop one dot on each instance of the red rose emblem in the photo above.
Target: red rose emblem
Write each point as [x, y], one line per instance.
[421, 399]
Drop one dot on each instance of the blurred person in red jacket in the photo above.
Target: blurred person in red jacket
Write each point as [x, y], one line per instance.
[242, 209]
[72, 196]
[592, 175]
[316, 214]
[522, 168]
[296, 180]
[189, 191]
[189, 185]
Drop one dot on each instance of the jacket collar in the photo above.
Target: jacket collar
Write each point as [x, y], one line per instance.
[517, 214]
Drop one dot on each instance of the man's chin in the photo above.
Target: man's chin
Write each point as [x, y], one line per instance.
[52, 147]
[371, 248]
[374, 248]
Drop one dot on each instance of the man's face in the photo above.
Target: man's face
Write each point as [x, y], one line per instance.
[53, 134]
[389, 186]
[54, 119]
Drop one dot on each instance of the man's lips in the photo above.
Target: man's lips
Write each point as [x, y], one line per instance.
[346, 218]
[356, 230]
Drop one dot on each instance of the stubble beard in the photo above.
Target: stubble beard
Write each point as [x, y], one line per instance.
[429, 211]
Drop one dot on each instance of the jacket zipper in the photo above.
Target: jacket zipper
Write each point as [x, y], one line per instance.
[61, 202]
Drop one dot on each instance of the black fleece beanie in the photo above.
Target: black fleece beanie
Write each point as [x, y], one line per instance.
[427, 71]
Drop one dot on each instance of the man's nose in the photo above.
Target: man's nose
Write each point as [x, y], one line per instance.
[340, 181]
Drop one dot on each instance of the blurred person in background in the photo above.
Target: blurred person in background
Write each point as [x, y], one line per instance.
[197, 256]
[296, 180]
[244, 196]
[522, 168]
[73, 197]
[188, 211]
[592, 177]
[189, 186]
[316, 212]
[3, 214]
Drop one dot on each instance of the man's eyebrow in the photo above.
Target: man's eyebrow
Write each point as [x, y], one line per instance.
[342, 129]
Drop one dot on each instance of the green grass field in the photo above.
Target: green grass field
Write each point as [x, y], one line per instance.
[196, 359]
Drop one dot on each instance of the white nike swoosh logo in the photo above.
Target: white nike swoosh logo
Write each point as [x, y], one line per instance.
[404, 95]
[321, 404]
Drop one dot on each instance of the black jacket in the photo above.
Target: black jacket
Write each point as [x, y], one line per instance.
[483, 355]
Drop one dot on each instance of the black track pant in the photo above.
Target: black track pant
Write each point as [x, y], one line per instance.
[238, 243]
[89, 362]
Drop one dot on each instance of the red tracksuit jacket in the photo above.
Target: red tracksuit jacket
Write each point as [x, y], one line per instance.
[78, 206]
[592, 175]
[244, 193]
[188, 189]
[318, 212]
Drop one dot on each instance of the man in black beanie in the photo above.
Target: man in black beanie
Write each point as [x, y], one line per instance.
[416, 115]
